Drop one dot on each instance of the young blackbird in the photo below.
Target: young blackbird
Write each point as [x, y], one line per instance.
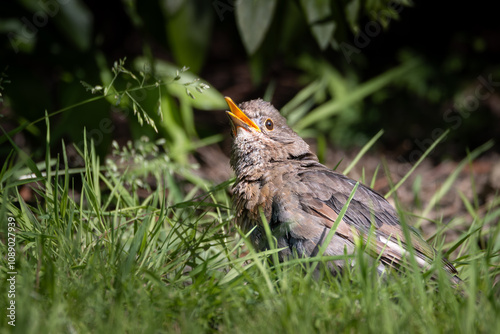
[279, 175]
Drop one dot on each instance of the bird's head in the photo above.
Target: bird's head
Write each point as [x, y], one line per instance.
[261, 135]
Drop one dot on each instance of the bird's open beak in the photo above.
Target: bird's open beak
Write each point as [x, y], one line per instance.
[238, 117]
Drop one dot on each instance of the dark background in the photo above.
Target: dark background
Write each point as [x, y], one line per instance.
[453, 43]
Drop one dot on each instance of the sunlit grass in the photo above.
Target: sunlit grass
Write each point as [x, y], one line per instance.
[95, 255]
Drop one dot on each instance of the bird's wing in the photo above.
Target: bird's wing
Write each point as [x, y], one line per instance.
[369, 217]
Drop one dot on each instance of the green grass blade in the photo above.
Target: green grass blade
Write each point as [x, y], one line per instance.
[426, 153]
[448, 183]
[332, 231]
[362, 152]
[362, 91]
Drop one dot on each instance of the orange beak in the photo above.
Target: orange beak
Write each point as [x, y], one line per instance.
[238, 117]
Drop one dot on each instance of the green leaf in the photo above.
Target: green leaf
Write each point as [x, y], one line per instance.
[254, 19]
[352, 14]
[189, 31]
[75, 21]
[317, 12]
[172, 6]
[19, 41]
[333, 107]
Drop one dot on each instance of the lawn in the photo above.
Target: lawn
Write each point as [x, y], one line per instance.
[141, 244]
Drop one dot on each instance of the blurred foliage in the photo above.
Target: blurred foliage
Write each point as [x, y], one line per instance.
[358, 66]
[153, 87]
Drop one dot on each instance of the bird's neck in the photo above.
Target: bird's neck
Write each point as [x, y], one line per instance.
[251, 167]
[253, 158]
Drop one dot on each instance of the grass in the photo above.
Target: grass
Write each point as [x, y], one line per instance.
[96, 253]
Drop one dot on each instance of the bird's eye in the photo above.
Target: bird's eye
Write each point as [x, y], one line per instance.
[269, 124]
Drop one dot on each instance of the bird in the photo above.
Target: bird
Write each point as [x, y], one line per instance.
[280, 182]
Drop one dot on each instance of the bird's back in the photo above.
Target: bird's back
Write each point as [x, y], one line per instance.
[308, 198]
